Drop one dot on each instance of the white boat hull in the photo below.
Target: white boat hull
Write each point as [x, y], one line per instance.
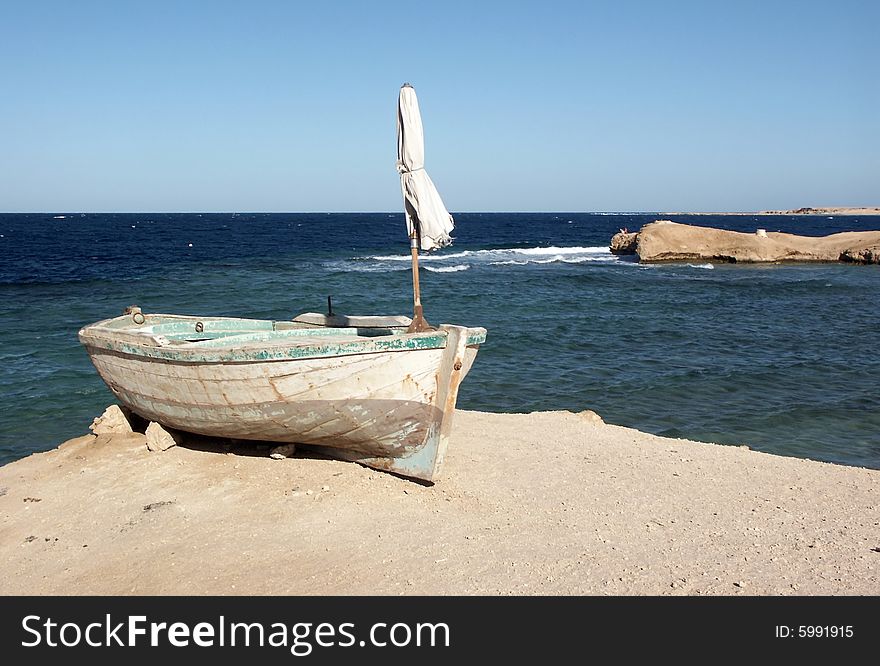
[390, 409]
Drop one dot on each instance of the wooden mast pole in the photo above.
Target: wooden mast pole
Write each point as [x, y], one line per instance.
[419, 323]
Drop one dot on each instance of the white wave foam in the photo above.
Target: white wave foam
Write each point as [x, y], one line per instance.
[423, 257]
[584, 260]
[502, 254]
[706, 266]
[492, 257]
[448, 269]
[549, 260]
[556, 250]
[59, 217]
[363, 267]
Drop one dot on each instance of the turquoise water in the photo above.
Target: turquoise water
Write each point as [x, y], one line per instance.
[783, 358]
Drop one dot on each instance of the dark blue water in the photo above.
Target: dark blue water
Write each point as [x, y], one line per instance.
[783, 358]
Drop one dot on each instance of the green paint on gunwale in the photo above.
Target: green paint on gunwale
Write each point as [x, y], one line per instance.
[227, 340]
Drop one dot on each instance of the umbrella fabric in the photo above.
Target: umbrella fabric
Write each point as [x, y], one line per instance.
[426, 216]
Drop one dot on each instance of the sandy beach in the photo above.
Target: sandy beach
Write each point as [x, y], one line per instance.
[550, 503]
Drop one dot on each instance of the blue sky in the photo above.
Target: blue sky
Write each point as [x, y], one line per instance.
[527, 106]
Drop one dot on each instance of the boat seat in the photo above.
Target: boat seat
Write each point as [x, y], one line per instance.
[353, 321]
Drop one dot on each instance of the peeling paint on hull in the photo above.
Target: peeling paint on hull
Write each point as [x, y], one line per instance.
[381, 397]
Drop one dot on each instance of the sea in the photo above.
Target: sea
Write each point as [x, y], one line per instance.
[782, 358]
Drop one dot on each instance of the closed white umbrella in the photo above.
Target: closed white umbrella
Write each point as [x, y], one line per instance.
[427, 220]
[426, 217]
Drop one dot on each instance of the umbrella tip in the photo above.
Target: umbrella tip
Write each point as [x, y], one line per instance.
[406, 85]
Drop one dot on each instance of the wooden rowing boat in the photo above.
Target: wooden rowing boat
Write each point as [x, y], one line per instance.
[366, 390]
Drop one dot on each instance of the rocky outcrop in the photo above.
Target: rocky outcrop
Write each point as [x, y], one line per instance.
[624, 242]
[112, 421]
[833, 210]
[669, 241]
[868, 255]
[283, 451]
[591, 416]
[159, 439]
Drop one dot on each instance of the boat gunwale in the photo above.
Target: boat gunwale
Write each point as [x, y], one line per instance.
[130, 338]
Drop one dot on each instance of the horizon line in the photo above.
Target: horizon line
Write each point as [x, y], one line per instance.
[394, 212]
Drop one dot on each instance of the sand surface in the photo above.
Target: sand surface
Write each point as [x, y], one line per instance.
[547, 503]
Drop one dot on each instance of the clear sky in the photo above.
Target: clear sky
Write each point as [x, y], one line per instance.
[527, 106]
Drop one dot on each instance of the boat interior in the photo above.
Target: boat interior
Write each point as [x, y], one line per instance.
[221, 331]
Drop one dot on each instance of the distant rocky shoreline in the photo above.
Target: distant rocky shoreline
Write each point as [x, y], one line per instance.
[852, 210]
[665, 240]
[824, 211]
